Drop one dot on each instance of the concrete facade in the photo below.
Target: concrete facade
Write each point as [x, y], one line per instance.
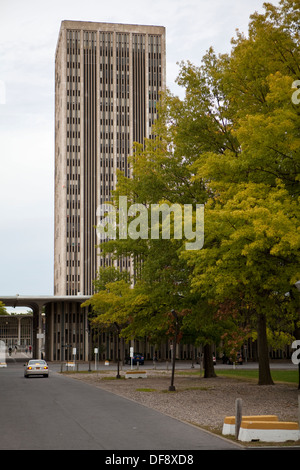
[107, 83]
[16, 330]
[59, 324]
[108, 78]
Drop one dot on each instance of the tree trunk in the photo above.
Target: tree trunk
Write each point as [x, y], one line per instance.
[264, 373]
[208, 365]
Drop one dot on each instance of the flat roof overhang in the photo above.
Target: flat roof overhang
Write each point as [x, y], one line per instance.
[37, 301]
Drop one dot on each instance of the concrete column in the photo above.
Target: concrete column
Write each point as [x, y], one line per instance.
[87, 337]
[37, 331]
[40, 331]
[19, 332]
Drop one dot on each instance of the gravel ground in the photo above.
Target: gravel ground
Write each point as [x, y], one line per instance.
[202, 402]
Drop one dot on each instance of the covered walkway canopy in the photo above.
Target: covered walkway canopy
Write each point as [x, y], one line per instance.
[36, 303]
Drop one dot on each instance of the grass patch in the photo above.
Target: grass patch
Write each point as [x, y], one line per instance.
[187, 389]
[187, 372]
[203, 389]
[145, 390]
[287, 376]
[112, 378]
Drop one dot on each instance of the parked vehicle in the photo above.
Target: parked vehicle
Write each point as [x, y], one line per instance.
[230, 361]
[36, 367]
[199, 358]
[137, 358]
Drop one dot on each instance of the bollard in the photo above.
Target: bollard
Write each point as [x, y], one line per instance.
[238, 416]
[299, 409]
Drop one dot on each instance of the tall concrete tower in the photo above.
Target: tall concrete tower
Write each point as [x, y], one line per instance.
[107, 83]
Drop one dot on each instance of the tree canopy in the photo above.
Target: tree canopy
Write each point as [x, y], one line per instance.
[3, 310]
[233, 144]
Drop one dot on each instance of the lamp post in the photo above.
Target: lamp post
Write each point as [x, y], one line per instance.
[172, 387]
[88, 330]
[297, 285]
[118, 376]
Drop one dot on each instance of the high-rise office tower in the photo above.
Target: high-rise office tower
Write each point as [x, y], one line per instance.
[107, 83]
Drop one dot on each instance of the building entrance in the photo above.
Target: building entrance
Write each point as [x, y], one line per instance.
[57, 325]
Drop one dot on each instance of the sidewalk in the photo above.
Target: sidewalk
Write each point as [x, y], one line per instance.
[18, 356]
[164, 366]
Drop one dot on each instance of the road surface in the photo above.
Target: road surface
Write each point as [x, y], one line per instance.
[61, 413]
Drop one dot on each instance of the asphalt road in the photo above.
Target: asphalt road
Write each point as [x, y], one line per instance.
[60, 413]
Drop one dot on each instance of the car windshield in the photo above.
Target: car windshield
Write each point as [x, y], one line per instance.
[32, 361]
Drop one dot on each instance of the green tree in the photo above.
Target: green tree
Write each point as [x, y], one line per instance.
[160, 276]
[3, 310]
[251, 248]
[233, 144]
[109, 274]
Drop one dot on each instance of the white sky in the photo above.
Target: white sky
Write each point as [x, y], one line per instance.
[28, 36]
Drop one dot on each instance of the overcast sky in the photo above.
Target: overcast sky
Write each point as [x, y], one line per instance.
[28, 37]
